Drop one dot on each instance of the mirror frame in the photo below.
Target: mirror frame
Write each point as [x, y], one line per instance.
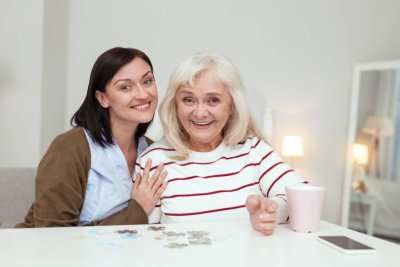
[353, 112]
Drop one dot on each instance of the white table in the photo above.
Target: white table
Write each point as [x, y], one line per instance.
[236, 245]
[370, 201]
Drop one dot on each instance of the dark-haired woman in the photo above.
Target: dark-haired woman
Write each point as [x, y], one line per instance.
[85, 177]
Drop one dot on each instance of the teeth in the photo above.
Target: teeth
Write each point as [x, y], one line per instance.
[202, 123]
[142, 106]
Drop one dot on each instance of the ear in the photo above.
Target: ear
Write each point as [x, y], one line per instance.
[102, 99]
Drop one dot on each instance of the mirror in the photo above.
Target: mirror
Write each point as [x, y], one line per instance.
[372, 177]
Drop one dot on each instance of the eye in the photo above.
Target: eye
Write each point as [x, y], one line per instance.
[148, 81]
[125, 87]
[213, 100]
[188, 100]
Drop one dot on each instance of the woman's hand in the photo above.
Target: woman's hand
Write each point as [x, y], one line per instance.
[263, 213]
[147, 192]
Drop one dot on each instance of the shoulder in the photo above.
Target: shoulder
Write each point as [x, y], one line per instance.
[159, 147]
[73, 142]
[254, 143]
[75, 136]
[66, 161]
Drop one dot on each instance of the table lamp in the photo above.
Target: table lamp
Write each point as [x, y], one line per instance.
[360, 159]
[377, 127]
[292, 147]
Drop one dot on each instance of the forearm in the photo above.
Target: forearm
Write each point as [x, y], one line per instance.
[133, 214]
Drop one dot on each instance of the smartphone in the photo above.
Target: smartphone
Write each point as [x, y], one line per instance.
[346, 245]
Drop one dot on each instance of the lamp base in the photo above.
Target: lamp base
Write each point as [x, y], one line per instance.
[358, 178]
[359, 186]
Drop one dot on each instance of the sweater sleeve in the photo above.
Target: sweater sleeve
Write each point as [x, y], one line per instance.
[274, 176]
[133, 214]
[60, 182]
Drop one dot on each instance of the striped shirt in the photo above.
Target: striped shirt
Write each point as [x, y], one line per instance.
[213, 186]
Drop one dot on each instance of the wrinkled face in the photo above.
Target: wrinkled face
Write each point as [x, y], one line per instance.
[203, 111]
[131, 95]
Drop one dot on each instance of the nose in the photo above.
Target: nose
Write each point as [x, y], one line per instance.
[140, 92]
[201, 110]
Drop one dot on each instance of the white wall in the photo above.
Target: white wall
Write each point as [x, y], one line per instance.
[54, 75]
[296, 57]
[21, 35]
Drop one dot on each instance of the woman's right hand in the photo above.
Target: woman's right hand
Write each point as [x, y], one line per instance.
[147, 191]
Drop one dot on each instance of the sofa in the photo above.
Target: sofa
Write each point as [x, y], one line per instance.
[17, 192]
[387, 215]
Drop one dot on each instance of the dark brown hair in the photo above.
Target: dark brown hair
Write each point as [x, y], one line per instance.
[91, 115]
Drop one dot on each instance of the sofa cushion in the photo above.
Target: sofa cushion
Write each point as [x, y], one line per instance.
[17, 193]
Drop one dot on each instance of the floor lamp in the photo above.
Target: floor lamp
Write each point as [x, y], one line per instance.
[377, 127]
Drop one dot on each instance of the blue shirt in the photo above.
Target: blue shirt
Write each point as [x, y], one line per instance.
[109, 184]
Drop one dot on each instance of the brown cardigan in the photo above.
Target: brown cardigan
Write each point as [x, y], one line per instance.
[60, 186]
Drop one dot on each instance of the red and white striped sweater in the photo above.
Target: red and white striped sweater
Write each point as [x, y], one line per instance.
[212, 186]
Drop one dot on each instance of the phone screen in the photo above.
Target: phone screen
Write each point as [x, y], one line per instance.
[345, 242]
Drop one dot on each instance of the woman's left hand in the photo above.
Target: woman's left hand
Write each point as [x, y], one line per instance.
[263, 213]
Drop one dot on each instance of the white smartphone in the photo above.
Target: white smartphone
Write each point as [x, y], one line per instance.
[346, 245]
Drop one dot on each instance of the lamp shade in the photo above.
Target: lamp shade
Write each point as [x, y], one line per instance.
[292, 146]
[378, 126]
[360, 154]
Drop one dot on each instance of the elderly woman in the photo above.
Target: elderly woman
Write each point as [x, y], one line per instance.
[219, 165]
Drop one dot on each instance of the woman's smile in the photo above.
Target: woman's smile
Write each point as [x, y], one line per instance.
[143, 107]
[202, 125]
[204, 110]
